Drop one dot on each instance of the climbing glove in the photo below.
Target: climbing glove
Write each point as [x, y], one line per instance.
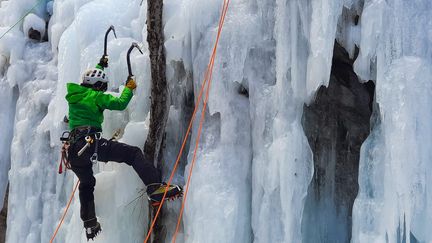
[130, 83]
[103, 61]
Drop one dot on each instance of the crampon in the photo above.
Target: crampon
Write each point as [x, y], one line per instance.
[92, 232]
[156, 191]
[157, 203]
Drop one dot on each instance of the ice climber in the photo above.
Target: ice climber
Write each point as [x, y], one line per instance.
[87, 101]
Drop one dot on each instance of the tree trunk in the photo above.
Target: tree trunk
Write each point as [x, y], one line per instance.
[159, 97]
[159, 88]
[3, 217]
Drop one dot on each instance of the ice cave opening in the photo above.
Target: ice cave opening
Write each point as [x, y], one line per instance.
[336, 124]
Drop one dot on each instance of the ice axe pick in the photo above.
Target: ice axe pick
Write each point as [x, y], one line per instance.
[111, 28]
[104, 60]
[134, 45]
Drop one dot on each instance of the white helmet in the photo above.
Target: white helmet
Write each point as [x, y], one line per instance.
[94, 75]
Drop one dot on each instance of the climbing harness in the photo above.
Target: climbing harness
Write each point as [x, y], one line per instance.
[83, 131]
[90, 139]
[206, 82]
[91, 135]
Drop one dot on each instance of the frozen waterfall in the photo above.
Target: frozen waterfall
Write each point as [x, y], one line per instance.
[270, 162]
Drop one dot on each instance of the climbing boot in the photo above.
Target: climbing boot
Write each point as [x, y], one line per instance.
[155, 192]
[92, 228]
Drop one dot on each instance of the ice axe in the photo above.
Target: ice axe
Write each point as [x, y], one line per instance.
[134, 45]
[104, 60]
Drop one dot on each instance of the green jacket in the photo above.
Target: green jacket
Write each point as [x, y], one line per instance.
[86, 105]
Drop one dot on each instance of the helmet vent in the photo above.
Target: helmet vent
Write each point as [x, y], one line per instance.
[93, 76]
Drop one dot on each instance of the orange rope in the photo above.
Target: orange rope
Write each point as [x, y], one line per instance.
[207, 77]
[224, 11]
[175, 165]
[177, 161]
[65, 212]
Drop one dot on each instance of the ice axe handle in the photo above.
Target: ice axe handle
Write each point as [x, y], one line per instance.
[111, 28]
[134, 45]
[103, 62]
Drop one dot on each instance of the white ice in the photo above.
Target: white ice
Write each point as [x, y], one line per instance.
[254, 164]
[35, 22]
[395, 194]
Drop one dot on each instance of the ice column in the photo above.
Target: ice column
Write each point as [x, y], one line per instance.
[282, 164]
[219, 202]
[393, 204]
[7, 106]
[32, 175]
[324, 19]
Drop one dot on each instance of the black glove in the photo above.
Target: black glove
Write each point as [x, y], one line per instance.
[103, 62]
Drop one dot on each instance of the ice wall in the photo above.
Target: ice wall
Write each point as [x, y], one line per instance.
[13, 72]
[253, 132]
[394, 200]
[220, 193]
[6, 122]
[37, 193]
[8, 104]
[282, 163]
[254, 163]
[31, 155]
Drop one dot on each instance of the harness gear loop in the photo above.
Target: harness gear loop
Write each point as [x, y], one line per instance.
[64, 157]
[64, 160]
[94, 157]
[91, 135]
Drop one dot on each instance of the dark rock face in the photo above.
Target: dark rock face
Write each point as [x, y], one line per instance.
[336, 125]
[3, 217]
[34, 34]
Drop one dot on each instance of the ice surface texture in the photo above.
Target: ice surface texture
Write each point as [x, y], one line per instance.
[254, 163]
[395, 194]
[34, 22]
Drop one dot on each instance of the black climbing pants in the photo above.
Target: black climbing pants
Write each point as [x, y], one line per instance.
[107, 151]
